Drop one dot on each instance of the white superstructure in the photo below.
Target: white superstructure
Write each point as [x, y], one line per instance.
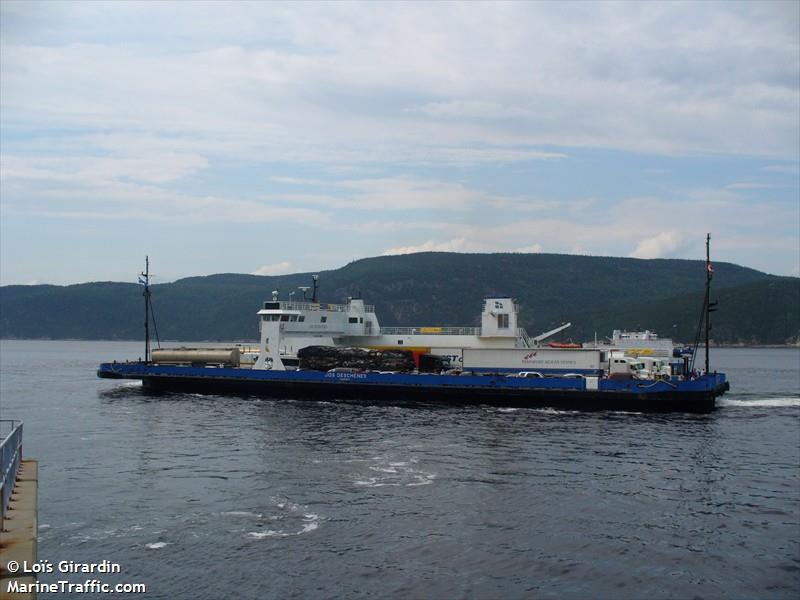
[288, 326]
[498, 344]
[637, 343]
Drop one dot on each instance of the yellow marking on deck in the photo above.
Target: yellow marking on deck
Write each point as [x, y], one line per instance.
[401, 347]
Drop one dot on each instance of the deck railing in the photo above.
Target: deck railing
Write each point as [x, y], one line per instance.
[311, 306]
[521, 333]
[10, 457]
[430, 330]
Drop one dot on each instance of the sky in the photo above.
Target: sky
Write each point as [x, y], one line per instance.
[272, 138]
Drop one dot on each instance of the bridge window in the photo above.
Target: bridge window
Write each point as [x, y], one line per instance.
[352, 320]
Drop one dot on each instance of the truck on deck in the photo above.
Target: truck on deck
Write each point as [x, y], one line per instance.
[548, 361]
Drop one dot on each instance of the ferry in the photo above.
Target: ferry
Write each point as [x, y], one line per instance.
[496, 363]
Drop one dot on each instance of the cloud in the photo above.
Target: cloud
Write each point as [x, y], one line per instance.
[659, 246]
[404, 193]
[400, 193]
[605, 229]
[158, 168]
[455, 245]
[407, 126]
[74, 197]
[470, 156]
[386, 227]
[308, 87]
[785, 169]
[280, 268]
[535, 248]
[744, 185]
[471, 108]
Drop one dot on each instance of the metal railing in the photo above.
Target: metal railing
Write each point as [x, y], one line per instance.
[310, 306]
[10, 457]
[521, 333]
[430, 330]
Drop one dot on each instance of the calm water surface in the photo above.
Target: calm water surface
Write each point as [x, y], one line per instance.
[224, 497]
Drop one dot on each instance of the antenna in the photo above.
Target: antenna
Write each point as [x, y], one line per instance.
[304, 289]
[315, 281]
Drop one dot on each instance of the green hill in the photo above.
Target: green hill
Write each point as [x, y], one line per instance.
[597, 294]
[764, 312]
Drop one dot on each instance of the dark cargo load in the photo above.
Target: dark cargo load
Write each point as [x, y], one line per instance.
[433, 363]
[325, 358]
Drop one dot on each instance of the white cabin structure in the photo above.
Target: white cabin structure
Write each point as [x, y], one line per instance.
[288, 326]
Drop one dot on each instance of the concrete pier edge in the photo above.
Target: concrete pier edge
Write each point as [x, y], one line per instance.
[20, 529]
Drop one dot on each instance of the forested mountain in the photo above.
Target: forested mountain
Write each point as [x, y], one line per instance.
[596, 294]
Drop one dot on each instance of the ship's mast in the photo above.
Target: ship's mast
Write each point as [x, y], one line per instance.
[146, 294]
[710, 306]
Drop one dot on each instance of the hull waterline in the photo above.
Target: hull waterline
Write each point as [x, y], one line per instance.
[647, 396]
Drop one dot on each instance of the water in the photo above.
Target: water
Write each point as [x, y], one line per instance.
[215, 497]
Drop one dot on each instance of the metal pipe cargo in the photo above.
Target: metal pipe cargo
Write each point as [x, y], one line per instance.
[226, 356]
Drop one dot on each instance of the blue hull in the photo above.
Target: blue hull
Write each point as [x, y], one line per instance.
[696, 395]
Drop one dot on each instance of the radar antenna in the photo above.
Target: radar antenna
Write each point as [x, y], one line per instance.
[315, 281]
